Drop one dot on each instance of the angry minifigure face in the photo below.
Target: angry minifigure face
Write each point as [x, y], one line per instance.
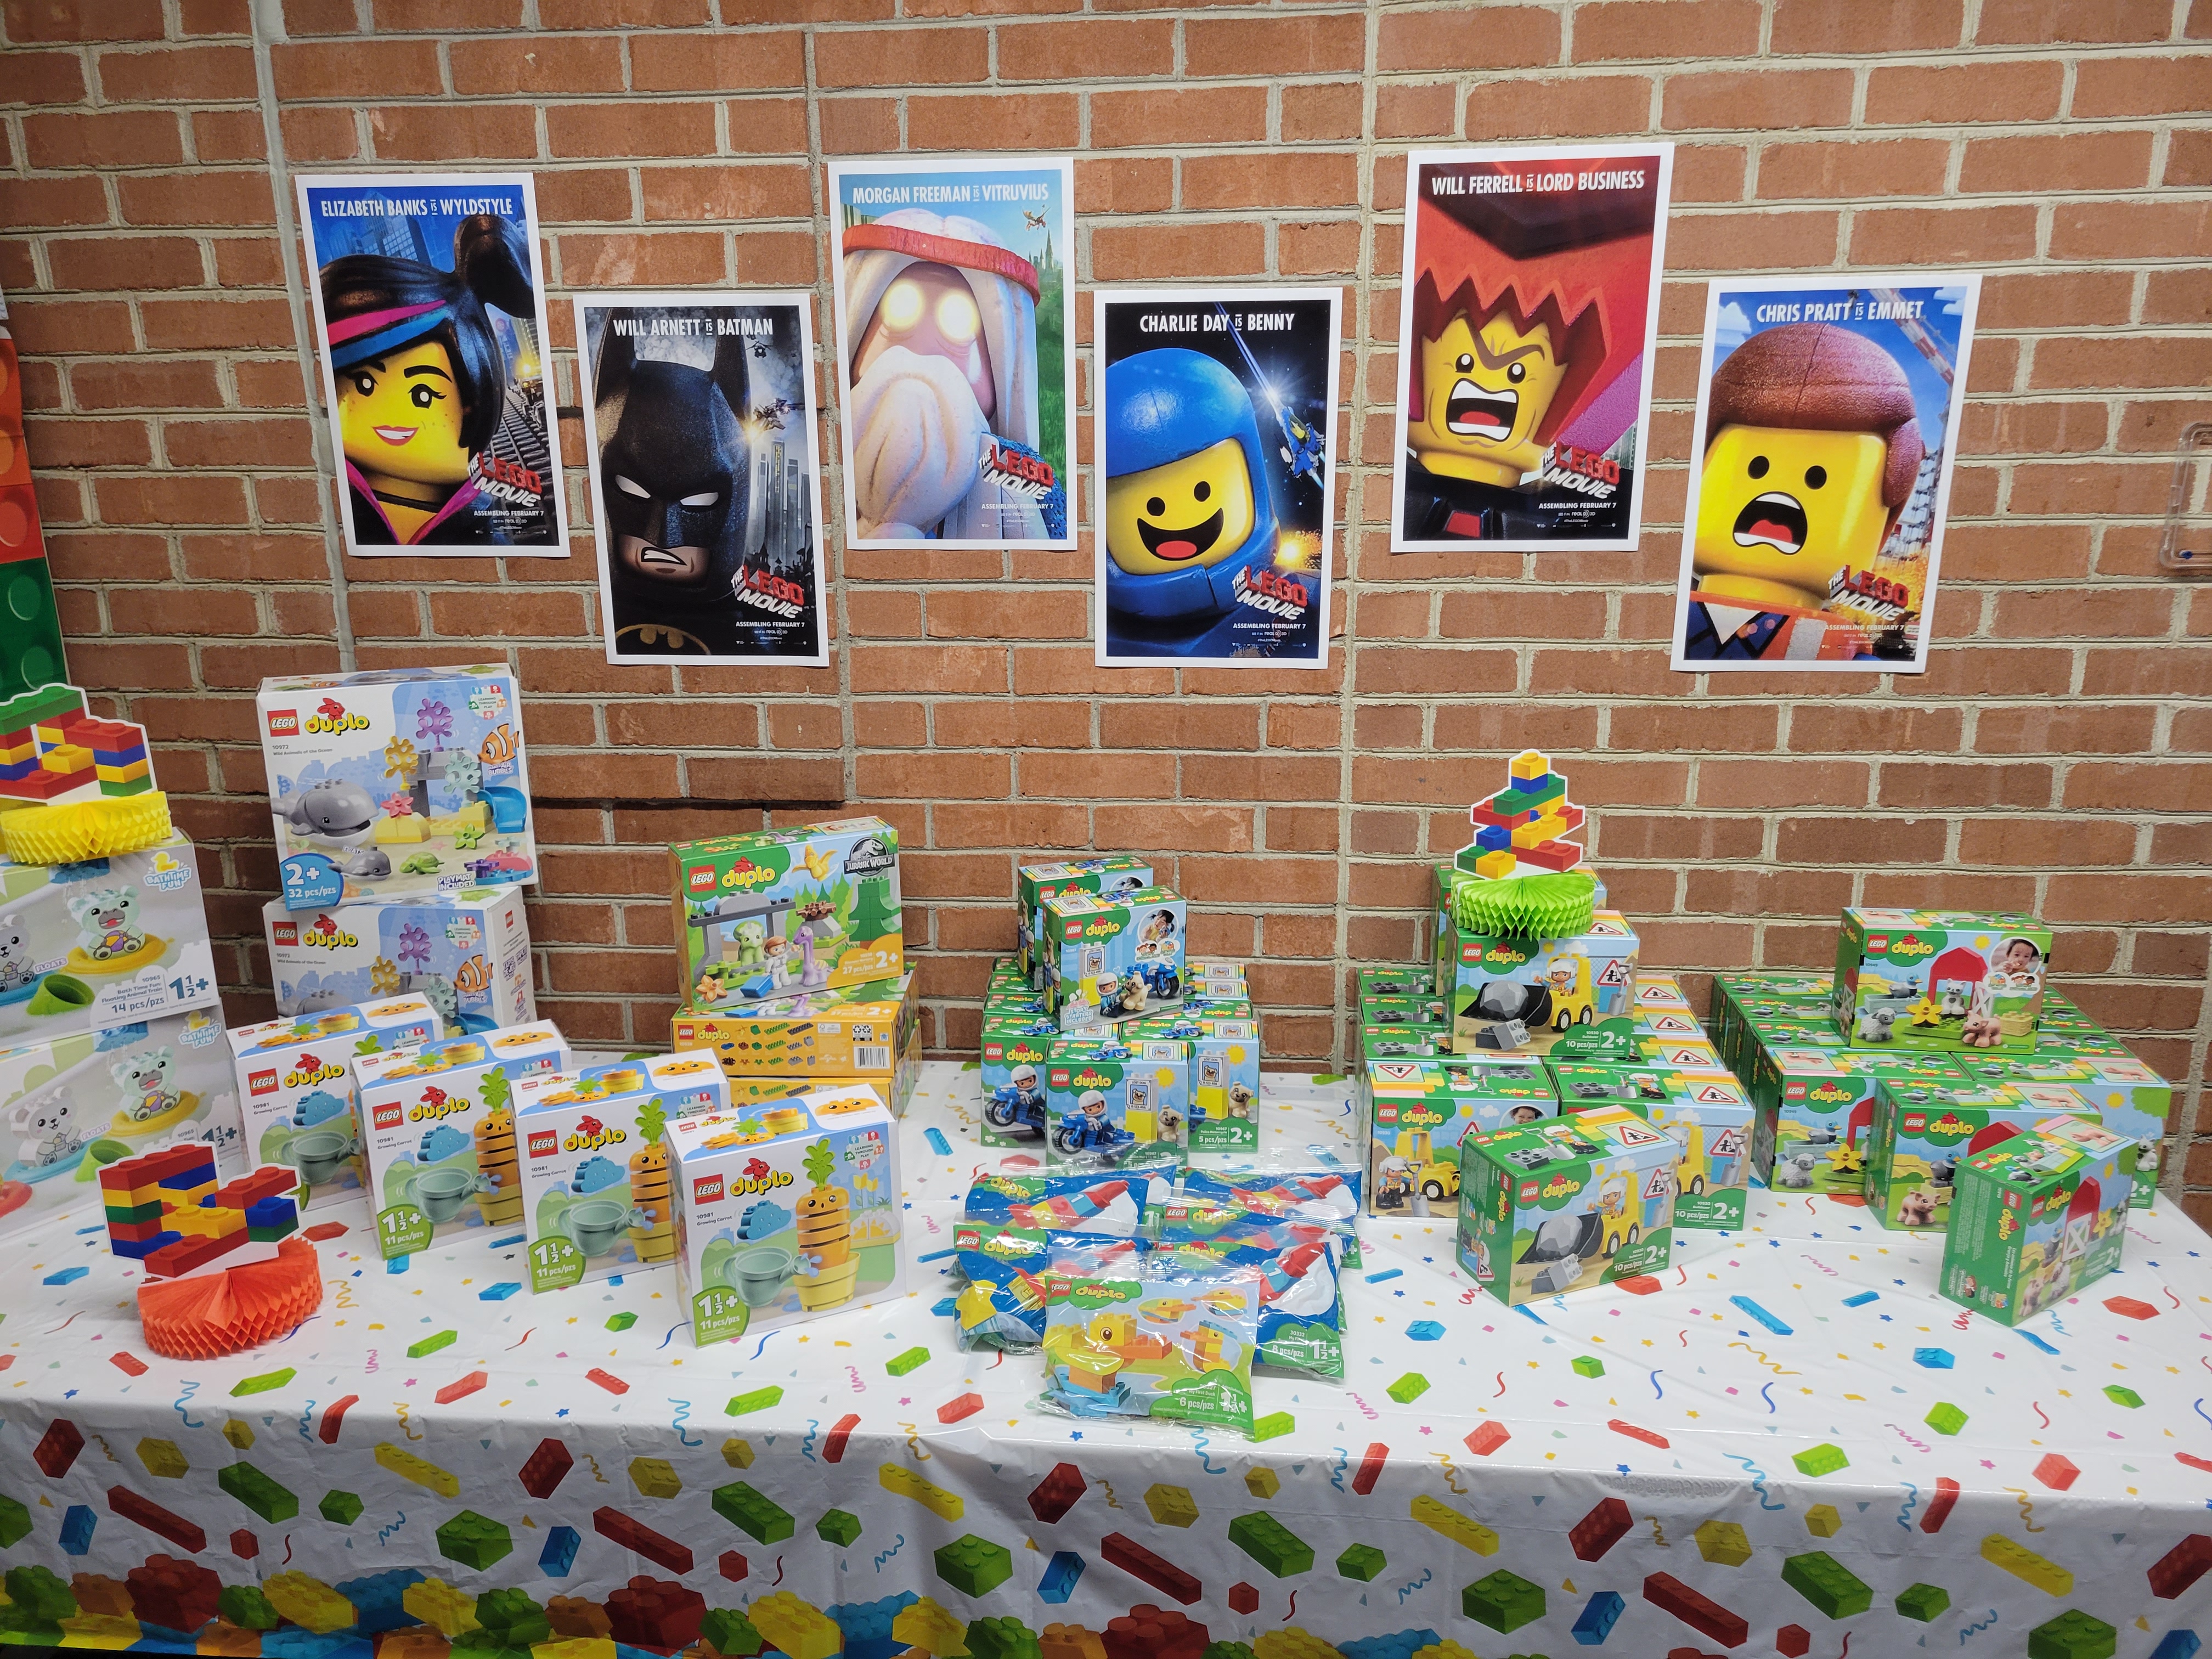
[1182, 515]
[1781, 510]
[400, 416]
[1484, 393]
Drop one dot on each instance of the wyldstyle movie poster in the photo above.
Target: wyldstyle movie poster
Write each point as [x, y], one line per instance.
[1529, 305]
[956, 326]
[1216, 437]
[430, 327]
[706, 487]
[1826, 416]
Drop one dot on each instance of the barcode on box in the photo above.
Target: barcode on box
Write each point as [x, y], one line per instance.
[877, 1057]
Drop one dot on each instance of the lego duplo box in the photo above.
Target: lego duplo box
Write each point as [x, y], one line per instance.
[297, 1091]
[439, 1119]
[785, 1212]
[2038, 1218]
[468, 951]
[1419, 981]
[1404, 1043]
[1420, 1112]
[102, 943]
[1923, 1130]
[1015, 1050]
[1735, 995]
[394, 781]
[854, 1034]
[1034, 885]
[1511, 994]
[1109, 959]
[71, 1104]
[2127, 1096]
[595, 1197]
[1948, 980]
[1224, 1073]
[1708, 1115]
[1816, 1111]
[1404, 1011]
[1113, 1105]
[1566, 1203]
[774, 913]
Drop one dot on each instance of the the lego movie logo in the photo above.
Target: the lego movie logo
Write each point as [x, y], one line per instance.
[310, 1071]
[323, 934]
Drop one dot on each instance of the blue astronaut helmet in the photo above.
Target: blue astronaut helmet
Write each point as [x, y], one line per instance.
[1165, 406]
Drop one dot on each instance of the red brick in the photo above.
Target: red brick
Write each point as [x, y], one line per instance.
[41, 78]
[1282, 44]
[1913, 236]
[592, 131]
[1453, 38]
[1894, 167]
[903, 56]
[125, 262]
[995, 121]
[1946, 94]
[537, 63]
[722, 193]
[1584, 107]
[356, 69]
[720, 63]
[82, 20]
[1831, 28]
[1617, 30]
[2037, 163]
[1159, 116]
[2133, 88]
[178, 74]
[1776, 99]
[1121, 49]
[205, 198]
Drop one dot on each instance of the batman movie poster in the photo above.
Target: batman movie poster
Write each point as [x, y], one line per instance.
[1527, 317]
[956, 333]
[706, 485]
[1820, 471]
[1216, 439]
[430, 331]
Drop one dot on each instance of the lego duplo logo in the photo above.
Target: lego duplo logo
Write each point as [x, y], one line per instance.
[543, 1143]
[437, 1104]
[1105, 927]
[707, 1189]
[700, 879]
[262, 1082]
[581, 1139]
[1831, 1094]
[1496, 954]
[1530, 1192]
[324, 935]
[283, 722]
[333, 717]
[1090, 1077]
[1950, 1124]
[747, 876]
[390, 1115]
[1559, 1187]
[286, 933]
[746, 1185]
[310, 1071]
[1058, 1080]
[1907, 947]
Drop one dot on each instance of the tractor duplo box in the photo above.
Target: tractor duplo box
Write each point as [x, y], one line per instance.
[1948, 979]
[1520, 995]
[2037, 1218]
[868, 1033]
[468, 952]
[398, 781]
[1707, 1113]
[1420, 1112]
[774, 913]
[1566, 1204]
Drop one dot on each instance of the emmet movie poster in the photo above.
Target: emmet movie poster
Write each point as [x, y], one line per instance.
[1216, 436]
[430, 329]
[705, 485]
[1821, 472]
[956, 314]
[1528, 307]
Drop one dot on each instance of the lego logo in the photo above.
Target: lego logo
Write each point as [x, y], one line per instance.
[705, 1189]
[288, 933]
[1073, 930]
[392, 1116]
[261, 1083]
[702, 880]
[1795, 1091]
[543, 1143]
[283, 722]
[1530, 1193]
[1877, 943]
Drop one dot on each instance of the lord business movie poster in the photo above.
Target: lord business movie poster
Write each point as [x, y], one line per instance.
[705, 485]
[430, 333]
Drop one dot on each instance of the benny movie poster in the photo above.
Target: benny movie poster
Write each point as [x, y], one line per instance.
[1528, 307]
[1216, 454]
[706, 485]
[1822, 466]
[956, 324]
[430, 329]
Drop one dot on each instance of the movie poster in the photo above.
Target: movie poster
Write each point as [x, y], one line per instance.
[1216, 440]
[706, 487]
[1826, 416]
[1528, 312]
[430, 328]
[955, 334]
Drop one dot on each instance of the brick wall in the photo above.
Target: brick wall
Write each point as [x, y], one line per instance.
[2053, 759]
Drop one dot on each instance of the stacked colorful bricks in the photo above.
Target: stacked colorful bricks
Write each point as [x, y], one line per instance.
[164, 1210]
[1524, 822]
[51, 747]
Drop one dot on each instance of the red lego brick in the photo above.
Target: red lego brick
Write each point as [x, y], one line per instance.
[1371, 1467]
[173, 1260]
[1670, 1595]
[1793, 1641]
[606, 1380]
[732, 1566]
[2194, 1461]
[57, 1448]
[178, 1595]
[461, 1388]
[1638, 1284]
[548, 1467]
[952, 1411]
[2056, 1472]
[833, 1443]
[1553, 855]
[1133, 1558]
[128, 1364]
[2181, 1566]
[145, 1512]
[243, 1545]
[1487, 1438]
[1601, 1529]
[2127, 1308]
[1243, 1598]
[326, 1427]
[617, 1527]
[1938, 1507]
[1147, 1632]
[656, 1615]
[324, 1229]
[1053, 1496]
[1647, 1435]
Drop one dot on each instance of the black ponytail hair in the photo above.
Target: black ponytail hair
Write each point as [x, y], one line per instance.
[491, 267]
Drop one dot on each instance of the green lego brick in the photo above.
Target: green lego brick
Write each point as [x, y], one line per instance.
[15, 1522]
[836, 1527]
[621, 1321]
[2073, 1635]
[512, 1619]
[1408, 1389]
[907, 1361]
[246, 1607]
[1826, 1583]
[973, 1566]
[1926, 1602]
[272, 1501]
[1503, 1600]
[1262, 1483]
[430, 1345]
[263, 1383]
[1274, 1426]
[729, 1632]
[1945, 1417]
[1002, 1637]
[1361, 1561]
[1723, 1543]
[1171, 1506]
[2121, 1396]
[758, 1400]
[342, 1507]
[162, 1459]
[753, 1513]
[1823, 1459]
[41, 1594]
[475, 1540]
[1588, 1364]
[1822, 1520]
[1272, 1544]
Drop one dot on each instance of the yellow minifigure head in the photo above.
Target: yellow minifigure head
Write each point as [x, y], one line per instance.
[1811, 448]
[399, 416]
[1182, 515]
[1485, 391]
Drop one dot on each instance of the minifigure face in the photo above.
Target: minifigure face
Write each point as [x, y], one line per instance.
[1780, 511]
[1093, 1106]
[1483, 391]
[930, 311]
[1182, 514]
[400, 416]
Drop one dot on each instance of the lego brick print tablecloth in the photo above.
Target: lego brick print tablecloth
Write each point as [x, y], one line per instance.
[1790, 1445]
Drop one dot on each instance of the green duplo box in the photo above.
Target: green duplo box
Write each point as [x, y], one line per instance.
[2037, 1218]
[1945, 980]
[1924, 1132]
[1566, 1204]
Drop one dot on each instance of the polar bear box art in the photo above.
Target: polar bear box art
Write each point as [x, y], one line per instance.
[941, 329]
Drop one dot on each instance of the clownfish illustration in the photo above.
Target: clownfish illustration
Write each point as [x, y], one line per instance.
[499, 747]
[473, 976]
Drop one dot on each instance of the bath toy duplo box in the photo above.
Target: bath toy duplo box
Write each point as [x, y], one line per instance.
[597, 1198]
[468, 951]
[786, 1211]
[440, 1122]
[297, 1091]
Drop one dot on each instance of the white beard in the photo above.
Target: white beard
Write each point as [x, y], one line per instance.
[918, 437]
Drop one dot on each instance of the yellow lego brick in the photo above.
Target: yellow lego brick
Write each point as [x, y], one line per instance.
[424, 1473]
[438, 1605]
[1722, 1543]
[1538, 830]
[945, 1505]
[162, 1459]
[1464, 1530]
[1292, 1642]
[1171, 1506]
[1446, 1648]
[654, 1477]
[308, 1602]
[408, 1642]
[397, 831]
[106, 773]
[2024, 1564]
[1262, 1483]
[1492, 865]
[224, 1640]
[112, 1632]
[1527, 764]
[1822, 1520]
[572, 1647]
[737, 1454]
[798, 1627]
[241, 1436]
[1070, 1642]
[931, 1628]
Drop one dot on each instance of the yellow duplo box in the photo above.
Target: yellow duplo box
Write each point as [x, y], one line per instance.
[868, 1033]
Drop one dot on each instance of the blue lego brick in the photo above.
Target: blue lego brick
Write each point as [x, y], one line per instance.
[1059, 1575]
[1933, 1360]
[938, 1143]
[560, 1552]
[867, 1626]
[139, 1250]
[377, 1600]
[77, 1530]
[1494, 838]
[1425, 1330]
[1399, 1644]
[1862, 1298]
[291, 1641]
[499, 1292]
[67, 1276]
[1747, 1305]
[2177, 1644]
[1598, 1616]
[945, 1309]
